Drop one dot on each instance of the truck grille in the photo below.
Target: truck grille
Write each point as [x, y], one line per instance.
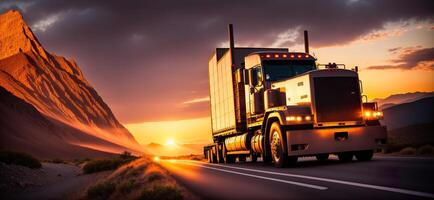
[337, 99]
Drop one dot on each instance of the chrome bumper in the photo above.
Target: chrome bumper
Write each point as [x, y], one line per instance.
[334, 140]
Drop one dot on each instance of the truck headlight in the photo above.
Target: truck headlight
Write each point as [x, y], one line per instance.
[373, 114]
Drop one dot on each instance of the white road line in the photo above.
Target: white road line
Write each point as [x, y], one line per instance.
[261, 177]
[377, 187]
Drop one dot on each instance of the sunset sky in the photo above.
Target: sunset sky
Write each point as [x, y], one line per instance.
[149, 59]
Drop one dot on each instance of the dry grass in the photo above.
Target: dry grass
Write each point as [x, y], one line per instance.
[139, 179]
[408, 151]
[19, 158]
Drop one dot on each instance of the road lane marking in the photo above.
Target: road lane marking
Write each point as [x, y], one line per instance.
[261, 177]
[377, 187]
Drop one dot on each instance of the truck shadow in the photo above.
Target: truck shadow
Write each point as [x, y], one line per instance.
[305, 163]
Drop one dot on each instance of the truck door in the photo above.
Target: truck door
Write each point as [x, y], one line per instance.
[256, 97]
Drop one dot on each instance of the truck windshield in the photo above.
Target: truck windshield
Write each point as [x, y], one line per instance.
[276, 70]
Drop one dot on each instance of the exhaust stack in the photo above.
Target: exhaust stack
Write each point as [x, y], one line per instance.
[231, 43]
[306, 42]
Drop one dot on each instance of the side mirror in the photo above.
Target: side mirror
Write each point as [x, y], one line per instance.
[246, 77]
[254, 78]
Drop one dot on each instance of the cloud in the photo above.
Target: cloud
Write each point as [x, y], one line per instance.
[151, 54]
[43, 24]
[410, 58]
[287, 37]
[197, 100]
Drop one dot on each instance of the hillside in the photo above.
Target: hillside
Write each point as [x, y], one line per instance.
[406, 114]
[60, 101]
[396, 99]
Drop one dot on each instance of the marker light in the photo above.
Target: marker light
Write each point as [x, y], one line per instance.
[368, 114]
[299, 56]
[268, 56]
[378, 114]
[290, 118]
[276, 55]
[298, 118]
[284, 55]
[306, 56]
[292, 56]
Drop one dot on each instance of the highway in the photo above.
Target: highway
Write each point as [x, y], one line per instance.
[385, 177]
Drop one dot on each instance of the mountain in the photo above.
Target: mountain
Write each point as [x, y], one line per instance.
[407, 114]
[401, 98]
[175, 150]
[23, 128]
[57, 89]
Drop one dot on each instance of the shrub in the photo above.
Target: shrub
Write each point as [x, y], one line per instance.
[101, 190]
[426, 150]
[102, 165]
[159, 192]
[19, 158]
[126, 186]
[408, 151]
[106, 164]
[58, 160]
[155, 176]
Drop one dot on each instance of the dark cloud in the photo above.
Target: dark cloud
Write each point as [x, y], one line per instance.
[147, 57]
[411, 58]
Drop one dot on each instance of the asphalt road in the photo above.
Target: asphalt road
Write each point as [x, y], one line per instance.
[381, 178]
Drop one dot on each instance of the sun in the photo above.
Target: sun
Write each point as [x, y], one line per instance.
[170, 142]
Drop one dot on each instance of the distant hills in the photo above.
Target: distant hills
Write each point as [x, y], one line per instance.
[417, 112]
[401, 98]
[177, 150]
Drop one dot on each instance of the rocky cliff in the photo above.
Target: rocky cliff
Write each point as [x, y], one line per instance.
[56, 88]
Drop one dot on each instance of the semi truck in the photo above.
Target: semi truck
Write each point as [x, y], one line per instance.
[277, 105]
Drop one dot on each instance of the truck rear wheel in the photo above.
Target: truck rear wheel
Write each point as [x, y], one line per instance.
[242, 158]
[364, 155]
[212, 157]
[345, 156]
[322, 157]
[253, 157]
[228, 159]
[278, 145]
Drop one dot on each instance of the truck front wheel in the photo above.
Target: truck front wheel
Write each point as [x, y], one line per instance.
[278, 145]
[364, 155]
[345, 156]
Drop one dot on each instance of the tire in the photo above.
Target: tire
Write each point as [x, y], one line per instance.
[242, 158]
[254, 157]
[278, 146]
[208, 155]
[364, 155]
[220, 158]
[345, 156]
[228, 159]
[322, 157]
